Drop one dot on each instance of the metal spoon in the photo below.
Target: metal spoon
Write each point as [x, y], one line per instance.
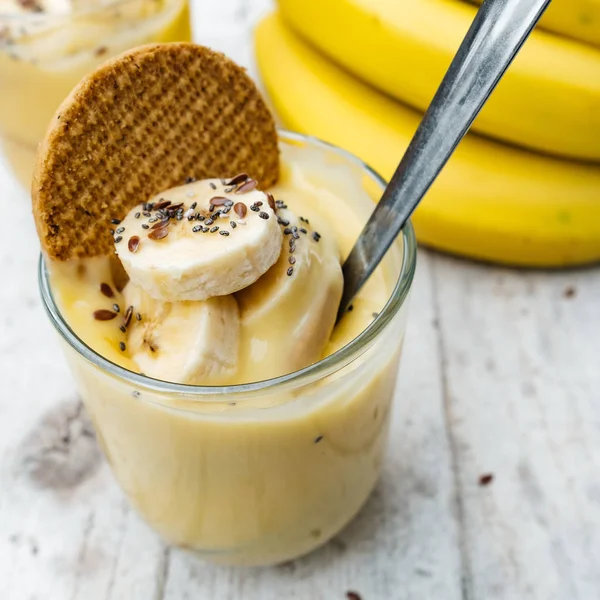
[493, 40]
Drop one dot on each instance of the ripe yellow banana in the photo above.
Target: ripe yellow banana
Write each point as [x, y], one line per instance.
[491, 202]
[549, 100]
[576, 19]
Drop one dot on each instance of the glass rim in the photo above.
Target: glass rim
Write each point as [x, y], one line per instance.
[319, 370]
[37, 17]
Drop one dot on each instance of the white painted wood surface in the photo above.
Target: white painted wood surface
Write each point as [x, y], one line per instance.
[500, 374]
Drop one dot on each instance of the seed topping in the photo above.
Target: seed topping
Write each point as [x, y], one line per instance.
[104, 315]
[240, 209]
[159, 234]
[162, 204]
[107, 290]
[128, 315]
[133, 244]
[248, 186]
[237, 179]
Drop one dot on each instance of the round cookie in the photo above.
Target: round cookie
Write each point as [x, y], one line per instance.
[144, 122]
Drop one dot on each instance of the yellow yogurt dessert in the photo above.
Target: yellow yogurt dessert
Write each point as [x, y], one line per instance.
[47, 46]
[216, 283]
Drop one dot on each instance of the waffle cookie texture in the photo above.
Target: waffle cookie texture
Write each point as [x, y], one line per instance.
[140, 124]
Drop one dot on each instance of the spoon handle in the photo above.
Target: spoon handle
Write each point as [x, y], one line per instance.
[493, 40]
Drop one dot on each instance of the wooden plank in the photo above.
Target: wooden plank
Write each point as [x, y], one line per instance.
[62, 517]
[521, 365]
[141, 564]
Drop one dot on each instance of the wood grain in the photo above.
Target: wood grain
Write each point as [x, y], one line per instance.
[500, 376]
[521, 364]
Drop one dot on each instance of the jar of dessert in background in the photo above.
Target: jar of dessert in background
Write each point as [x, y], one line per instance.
[47, 46]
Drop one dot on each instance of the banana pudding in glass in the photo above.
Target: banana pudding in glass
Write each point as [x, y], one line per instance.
[242, 421]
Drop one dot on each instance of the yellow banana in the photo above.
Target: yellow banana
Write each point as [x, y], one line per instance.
[491, 202]
[549, 100]
[576, 19]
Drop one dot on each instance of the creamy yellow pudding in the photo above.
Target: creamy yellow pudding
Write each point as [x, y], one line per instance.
[47, 46]
[263, 473]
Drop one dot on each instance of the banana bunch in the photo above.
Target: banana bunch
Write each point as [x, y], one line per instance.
[495, 202]
[575, 19]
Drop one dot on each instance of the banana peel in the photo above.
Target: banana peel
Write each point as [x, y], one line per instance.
[548, 100]
[492, 202]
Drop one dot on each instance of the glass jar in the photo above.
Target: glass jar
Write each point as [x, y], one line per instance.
[45, 50]
[258, 473]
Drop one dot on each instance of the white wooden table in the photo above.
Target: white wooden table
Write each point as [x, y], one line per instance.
[501, 375]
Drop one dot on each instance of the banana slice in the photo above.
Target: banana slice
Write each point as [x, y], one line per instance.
[288, 314]
[200, 240]
[184, 342]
